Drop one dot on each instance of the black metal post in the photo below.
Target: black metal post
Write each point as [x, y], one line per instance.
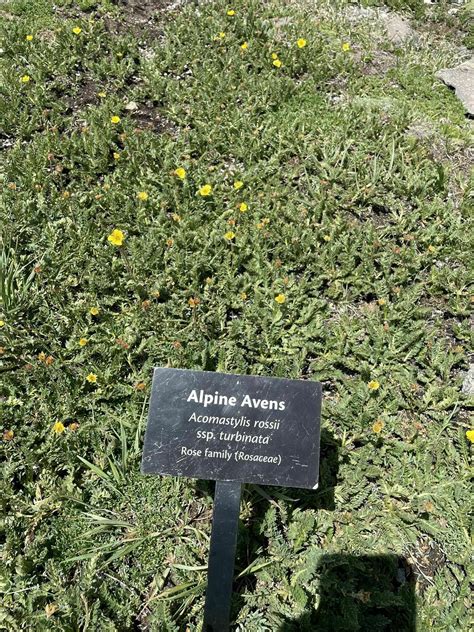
[220, 573]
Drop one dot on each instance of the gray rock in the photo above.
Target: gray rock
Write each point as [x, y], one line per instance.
[398, 28]
[468, 384]
[461, 78]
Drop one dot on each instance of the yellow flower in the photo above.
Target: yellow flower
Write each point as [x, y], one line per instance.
[25, 78]
[378, 425]
[2, 323]
[102, 95]
[346, 47]
[431, 249]
[280, 299]
[238, 184]
[327, 237]
[116, 155]
[205, 190]
[231, 12]
[92, 378]
[94, 311]
[243, 296]
[115, 119]
[221, 35]
[274, 56]
[244, 46]
[194, 301]
[58, 427]
[8, 435]
[381, 301]
[142, 196]
[243, 207]
[277, 63]
[301, 43]
[82, 342]
[229, 235]
[116, 237]
[470, 435]
[373, 385]
[180, 172]
[29, 38]
[77, 30]
[176, 217]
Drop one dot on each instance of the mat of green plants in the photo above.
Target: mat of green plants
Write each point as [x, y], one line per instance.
[269, 188]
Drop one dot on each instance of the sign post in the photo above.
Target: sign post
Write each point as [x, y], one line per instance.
[233, 429]
[220, 570]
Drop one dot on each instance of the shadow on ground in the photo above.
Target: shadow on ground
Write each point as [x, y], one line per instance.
[370, 593]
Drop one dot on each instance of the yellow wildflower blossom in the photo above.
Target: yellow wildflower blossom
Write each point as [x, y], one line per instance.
[229, 235]
[25, 78]
[301, 43]
[470, 435]
[8, 435]
[29, 38]
[377, 427]
[116, 237]
[82, 342]
[142, 196]
[243, 207]
[244, 46]
[180, 172]
[205, 190]
[238, 184]
[92, 378]
[58, 427]
[373, 385]
[94, 311]
[77, 30]
[346, 47]
[277, 63]
[115, 119]
[280, 299]
[231, 12]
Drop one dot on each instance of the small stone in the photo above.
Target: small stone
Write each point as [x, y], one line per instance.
[398, 28]
[461, 78]
[468, 384]
[131, 106]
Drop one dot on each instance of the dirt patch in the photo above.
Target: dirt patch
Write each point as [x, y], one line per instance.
[139, 18]
[85, 95]
[148, 117]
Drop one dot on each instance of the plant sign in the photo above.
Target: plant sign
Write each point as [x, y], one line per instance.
[233, 429]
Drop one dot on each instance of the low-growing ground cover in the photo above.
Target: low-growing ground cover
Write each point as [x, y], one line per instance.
[273, 188]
